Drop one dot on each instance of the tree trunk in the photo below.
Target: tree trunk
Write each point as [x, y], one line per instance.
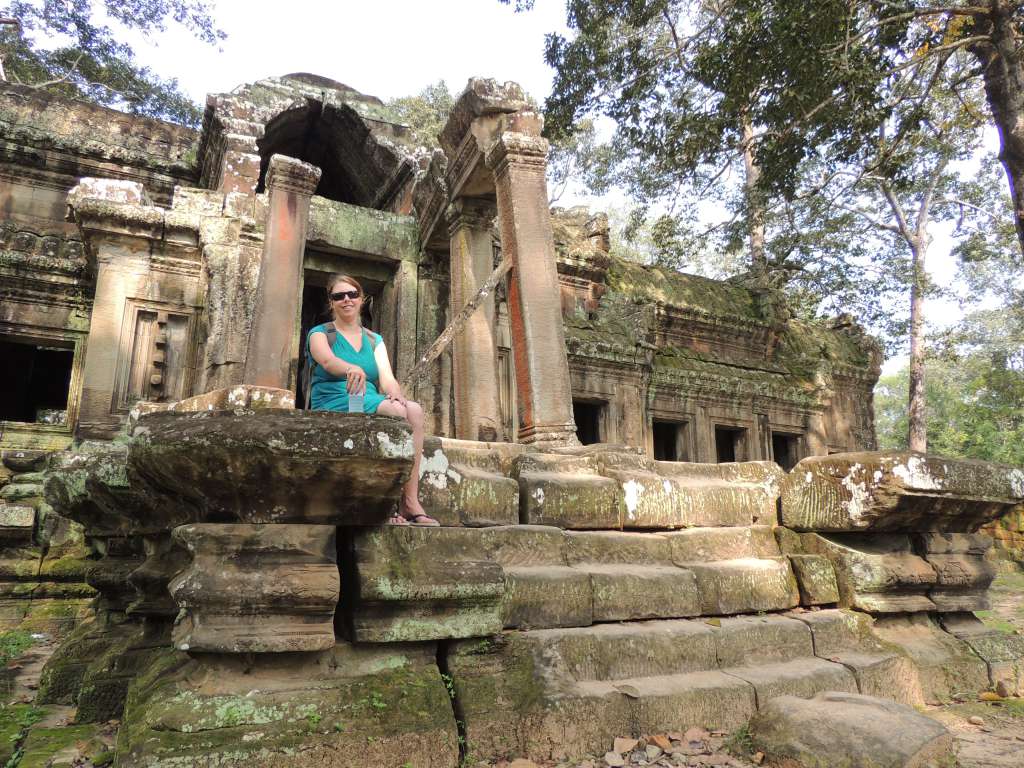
[1004, 88]
[755, 204]
[918, 430]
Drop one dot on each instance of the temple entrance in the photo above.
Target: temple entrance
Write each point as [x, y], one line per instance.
[785, 449]
[671, 440]
[730, 444]
[39, 394]
[588, 417]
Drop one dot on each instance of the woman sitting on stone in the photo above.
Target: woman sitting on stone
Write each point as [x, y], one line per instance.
[358, 364]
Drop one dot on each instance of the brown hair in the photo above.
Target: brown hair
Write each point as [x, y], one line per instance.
[339, 278]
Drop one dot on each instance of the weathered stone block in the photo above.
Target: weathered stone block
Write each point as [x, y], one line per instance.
[800, 677]
[349, 706]
[694, 545]
[816, 579]
[878, 573]
[611, 547]
[579, 501]
[848, 730]
[747, 640]
[897, 492]
[946, 665]
[630, 592]
[413, 583]
[20, 460]
[547, 596]
[744, 585]
[16, 524]
[279, 466]
[256, 588]
[460, 485]
[732, 494]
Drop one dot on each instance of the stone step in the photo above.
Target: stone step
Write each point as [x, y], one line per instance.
[744, 585]
[563, 693]
[479, 580]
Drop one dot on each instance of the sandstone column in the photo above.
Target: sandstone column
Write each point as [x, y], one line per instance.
[272, 357]
[474, 352]
[518, 161]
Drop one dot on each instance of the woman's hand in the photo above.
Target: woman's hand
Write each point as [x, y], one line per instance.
[355, 379]
[394, 394]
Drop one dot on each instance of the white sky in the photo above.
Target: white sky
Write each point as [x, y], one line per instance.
[393, 48]
[387, 48]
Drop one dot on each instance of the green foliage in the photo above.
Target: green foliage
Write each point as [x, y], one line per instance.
[974, 393]
[13, 643]
[425, 113]
[740, 741]
[73, 49]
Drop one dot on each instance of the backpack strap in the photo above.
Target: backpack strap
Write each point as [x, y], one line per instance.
[307, 384]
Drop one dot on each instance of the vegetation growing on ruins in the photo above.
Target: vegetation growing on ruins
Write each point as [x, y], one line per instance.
[73, 49]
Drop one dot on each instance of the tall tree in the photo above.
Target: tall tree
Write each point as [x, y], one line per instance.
[683, 77]
[76, 48]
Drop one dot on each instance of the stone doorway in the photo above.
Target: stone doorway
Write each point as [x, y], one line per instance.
[39, 393]
[730, 444]
[671, 440]
[785, 449]
[589, 418]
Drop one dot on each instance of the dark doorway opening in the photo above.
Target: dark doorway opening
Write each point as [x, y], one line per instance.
[315, 311]
[785, 449]
[588, 421]
[730, 444]
[670, 441]
[38, 392]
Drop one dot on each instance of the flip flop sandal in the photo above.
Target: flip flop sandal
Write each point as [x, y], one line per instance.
[424, 521]
[397, 519]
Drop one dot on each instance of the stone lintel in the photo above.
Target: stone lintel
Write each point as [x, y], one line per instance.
[291, 175]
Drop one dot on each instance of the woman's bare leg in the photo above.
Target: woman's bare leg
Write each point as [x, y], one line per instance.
[413, 413]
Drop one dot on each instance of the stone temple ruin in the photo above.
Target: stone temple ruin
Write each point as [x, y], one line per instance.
[660, 501]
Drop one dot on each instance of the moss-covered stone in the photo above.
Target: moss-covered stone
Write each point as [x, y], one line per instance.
[42, 745]
[15, 719]
[362, 706]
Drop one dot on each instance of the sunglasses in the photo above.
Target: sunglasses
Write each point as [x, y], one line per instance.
[339, 295]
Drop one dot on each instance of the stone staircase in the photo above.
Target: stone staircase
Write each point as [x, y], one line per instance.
[555, 693]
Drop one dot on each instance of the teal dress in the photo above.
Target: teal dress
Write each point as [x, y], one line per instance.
[328, 392]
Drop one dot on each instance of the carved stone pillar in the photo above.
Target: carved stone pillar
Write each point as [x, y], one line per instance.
[475, 355]
[272, 357]
[256, 588]
[518, 161]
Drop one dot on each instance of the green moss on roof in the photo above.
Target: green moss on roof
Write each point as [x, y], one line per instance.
[806, 347]
[676, 289]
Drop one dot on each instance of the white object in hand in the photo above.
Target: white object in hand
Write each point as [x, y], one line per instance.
[355, 403]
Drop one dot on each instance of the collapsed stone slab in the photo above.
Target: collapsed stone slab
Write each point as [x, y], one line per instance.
[276, 466]
[848, 730]
[1001, 651]
[897, 491]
